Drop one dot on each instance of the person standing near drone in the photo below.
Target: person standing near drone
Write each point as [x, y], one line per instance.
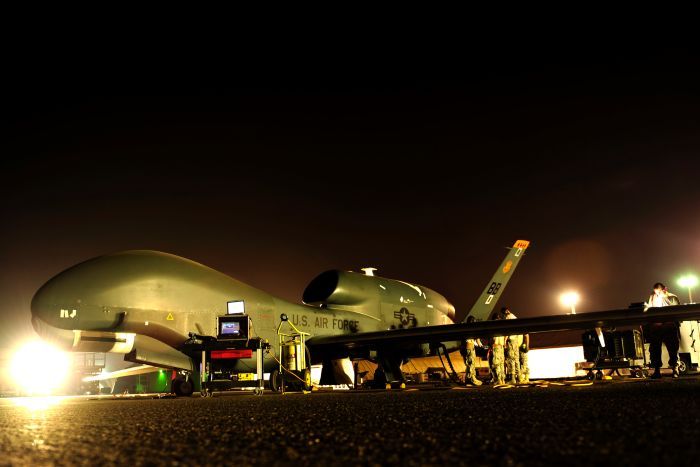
[667, 333]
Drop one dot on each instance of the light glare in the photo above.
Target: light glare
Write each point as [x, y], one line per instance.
[39, 369]
[688, 282]
[570, 299]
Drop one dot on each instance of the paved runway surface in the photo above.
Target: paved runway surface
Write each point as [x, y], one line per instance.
[641, 422]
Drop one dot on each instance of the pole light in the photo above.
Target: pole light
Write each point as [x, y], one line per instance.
[569, 300]
[688, 282]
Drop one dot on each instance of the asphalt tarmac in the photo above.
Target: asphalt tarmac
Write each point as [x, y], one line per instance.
[640, 422]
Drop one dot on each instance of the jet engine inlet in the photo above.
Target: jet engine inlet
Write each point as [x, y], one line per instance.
[341, 288]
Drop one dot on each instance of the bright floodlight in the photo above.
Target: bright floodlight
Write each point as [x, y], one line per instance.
[38, 368]
[688, 282]
[570, 299]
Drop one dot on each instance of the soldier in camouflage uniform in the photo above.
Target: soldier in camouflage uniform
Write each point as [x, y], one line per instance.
[516, 353]
[470, 363]
[497, 360]
[513, 358]
[524, 367]
[469, 355]
[498, 371]
[512, 353]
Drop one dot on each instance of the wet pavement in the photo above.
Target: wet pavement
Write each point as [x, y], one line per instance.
[630, 423]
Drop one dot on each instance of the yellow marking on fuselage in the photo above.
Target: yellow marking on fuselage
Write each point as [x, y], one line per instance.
[507, 267]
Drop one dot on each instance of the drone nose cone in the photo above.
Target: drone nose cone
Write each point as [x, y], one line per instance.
[41, 311]
[46, 321]
[70, 301]
[52, 305]
[97, 294]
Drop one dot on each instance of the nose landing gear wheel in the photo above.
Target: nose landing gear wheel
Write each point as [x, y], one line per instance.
[182, 387]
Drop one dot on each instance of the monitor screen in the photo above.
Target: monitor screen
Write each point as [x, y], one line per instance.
[231, 328]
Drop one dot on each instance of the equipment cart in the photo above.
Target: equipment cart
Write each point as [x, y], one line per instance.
[614, 350]
[230, 359]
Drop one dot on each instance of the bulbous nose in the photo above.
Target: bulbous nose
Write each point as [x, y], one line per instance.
[72, 300]
[56, 303]
[51, 310]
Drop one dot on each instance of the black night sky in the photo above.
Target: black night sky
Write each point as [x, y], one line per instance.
[422, 169]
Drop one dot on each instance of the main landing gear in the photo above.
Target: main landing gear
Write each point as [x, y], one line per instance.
[389, 374]
[182, 386]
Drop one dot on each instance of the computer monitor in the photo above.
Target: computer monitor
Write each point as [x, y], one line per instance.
[233, 327]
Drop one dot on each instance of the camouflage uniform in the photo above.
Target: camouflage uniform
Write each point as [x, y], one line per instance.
[513, 358]
[497, 368]
[517, 362]
[470, 363]
[524, 368]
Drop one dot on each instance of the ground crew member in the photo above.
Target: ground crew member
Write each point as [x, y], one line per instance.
[524, 364]
[667, 333]
[517, 347]
[470, 363]
[469, 354]
[497, 357]
[498, 360]
[512, 354]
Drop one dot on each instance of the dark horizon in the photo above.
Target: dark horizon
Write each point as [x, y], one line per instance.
[592, 158]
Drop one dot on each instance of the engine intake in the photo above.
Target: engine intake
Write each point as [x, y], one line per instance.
[340, 288]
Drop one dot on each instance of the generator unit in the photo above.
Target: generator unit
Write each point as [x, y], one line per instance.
[619, 349]
[618, 345]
